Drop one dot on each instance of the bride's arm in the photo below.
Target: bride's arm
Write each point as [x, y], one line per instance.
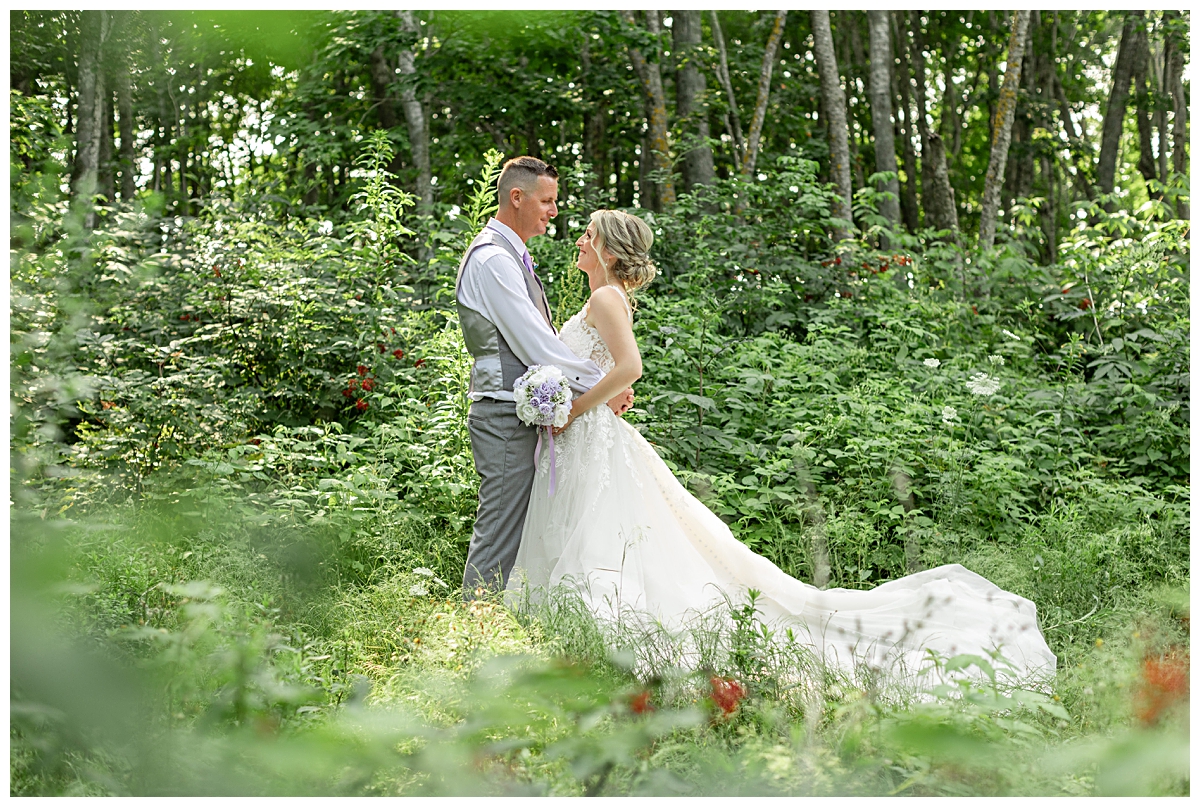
[609, 316]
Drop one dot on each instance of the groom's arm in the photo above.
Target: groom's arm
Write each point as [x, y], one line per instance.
[496, 289]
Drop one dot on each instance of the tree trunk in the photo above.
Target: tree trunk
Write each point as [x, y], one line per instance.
[902, 90]
[690, 110]
[414, 115]
[381, 80]
[937, 195]
[594, 123]
[1141, 70]
[104, 173]
[1162, 75]
[1118, 100]
[833, 101]
[733, 122]
[881, 113]
[1179, 124]
[126, 159]
[764, 93]
[1006, 105]
[88, 132]
[659, 159]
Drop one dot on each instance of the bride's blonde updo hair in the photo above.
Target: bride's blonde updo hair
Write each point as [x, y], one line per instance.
[628, 239]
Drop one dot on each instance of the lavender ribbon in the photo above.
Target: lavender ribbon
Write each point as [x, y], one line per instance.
[537, 453]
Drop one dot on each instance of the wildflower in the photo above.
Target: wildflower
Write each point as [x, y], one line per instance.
[424, 571]
[726, 693]
[640, 703]
[398, 353]
[932, 364]
[419, 363]
[363, 369]
[368, 384]
[983, 384]
[361, 405]
[1164, 682]
[1011, 335]
[996, 359]
[949, 415]
[418, 590]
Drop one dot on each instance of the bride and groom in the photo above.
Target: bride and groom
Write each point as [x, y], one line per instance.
[620, 528]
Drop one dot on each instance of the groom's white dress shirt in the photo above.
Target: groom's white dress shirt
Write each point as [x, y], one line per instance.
[492, 285]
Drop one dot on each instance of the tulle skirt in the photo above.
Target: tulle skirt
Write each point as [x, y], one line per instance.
[628, 537]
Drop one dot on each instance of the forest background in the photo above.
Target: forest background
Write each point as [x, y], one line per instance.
[924, 299]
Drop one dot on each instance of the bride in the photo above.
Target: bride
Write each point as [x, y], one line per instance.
[624, 533]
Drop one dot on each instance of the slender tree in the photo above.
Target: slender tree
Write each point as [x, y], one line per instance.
[656, 141]
[1118, 101]
[901, 92]
[1006, 105]
[1179, 121]
[937, 195]
[690, 107]
[881, 112]
[764, 93]
[88, 135]
[733, 124]
[833, 101]
[1142, 104]
[414, 113]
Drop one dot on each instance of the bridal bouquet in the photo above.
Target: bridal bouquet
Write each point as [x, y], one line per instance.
[543, 399]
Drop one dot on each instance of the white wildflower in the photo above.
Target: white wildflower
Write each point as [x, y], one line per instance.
[423, 571]
[1011, 335]
[996, 359]
[949, 415]
[933, 364]
[418, 590]
[325, 228]
[983, 384]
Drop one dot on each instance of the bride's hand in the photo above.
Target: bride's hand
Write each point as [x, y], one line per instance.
[622, 402]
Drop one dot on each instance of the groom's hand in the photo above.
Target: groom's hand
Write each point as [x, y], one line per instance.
[622, 402]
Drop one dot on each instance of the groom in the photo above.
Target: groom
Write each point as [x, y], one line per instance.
[505, 320]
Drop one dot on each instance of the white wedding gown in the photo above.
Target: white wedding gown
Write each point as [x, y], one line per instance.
[625, 534]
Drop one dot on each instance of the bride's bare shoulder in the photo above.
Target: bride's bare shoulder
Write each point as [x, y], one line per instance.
[609, 300]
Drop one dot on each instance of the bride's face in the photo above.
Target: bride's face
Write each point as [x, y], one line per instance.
[589, 261]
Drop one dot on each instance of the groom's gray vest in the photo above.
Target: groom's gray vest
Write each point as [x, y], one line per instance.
[496, 366]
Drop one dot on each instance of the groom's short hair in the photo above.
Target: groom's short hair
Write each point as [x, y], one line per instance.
[522, 172]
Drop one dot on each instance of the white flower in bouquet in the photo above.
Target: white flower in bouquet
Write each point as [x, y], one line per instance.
[543, 397]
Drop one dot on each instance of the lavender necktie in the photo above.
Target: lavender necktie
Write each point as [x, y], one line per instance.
[528, 261]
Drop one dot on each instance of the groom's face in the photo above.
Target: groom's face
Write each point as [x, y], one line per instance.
[538, 205]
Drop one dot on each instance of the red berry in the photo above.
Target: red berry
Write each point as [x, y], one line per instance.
[382, 347]
[419, 363]
[838, 260]
[398, 353]
[254, 441]
[363, 369]
[361, 405]
[217, 271]
[368, 384]
[1085, 304]
[345, 393]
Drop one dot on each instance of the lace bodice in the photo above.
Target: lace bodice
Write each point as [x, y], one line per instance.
[585, 341]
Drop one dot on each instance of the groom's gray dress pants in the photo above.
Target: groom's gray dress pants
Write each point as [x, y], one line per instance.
[503, 450]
